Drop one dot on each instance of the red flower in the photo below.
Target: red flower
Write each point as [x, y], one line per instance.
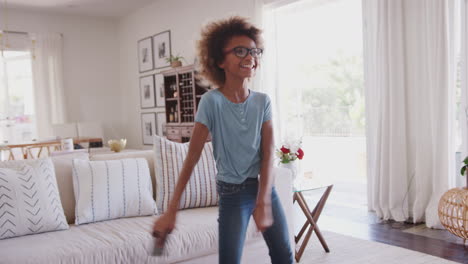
[300, 153]
[284, 150]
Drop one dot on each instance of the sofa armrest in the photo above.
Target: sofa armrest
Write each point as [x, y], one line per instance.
[283, 185]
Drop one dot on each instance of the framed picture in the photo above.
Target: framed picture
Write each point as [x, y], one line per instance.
[162, 49]
[147, 94]
[148, 127]
[145, 54]
[159, 83]
[161, 122]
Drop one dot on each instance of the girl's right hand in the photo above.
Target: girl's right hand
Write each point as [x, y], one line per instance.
[163, 226]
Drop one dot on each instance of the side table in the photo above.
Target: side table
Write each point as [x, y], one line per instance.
[312, 217]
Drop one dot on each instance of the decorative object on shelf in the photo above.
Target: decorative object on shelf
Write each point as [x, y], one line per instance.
[288, 153]
[175, 61]
[453, 208]
[159, 90]
[145, 54]
[147, 92]
[117, 145]
[148, 127]
[162, 49]
[171, 115]
[161, 121]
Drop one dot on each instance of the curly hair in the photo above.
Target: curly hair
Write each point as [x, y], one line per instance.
[214, 38]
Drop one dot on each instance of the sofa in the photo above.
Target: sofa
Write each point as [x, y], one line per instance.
[129, 240]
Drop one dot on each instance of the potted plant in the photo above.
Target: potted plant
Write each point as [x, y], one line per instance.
[175, 61]
[288, 153]
[287, 156]
[463, 170]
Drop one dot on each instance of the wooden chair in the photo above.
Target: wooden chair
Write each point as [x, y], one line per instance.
[8, 150]
[28, 152]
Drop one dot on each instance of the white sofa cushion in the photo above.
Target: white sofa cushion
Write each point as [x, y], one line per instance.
[63, 172]
[112, 189]
[125, 240]
[29, 198]
[146, 154]
[201, 188]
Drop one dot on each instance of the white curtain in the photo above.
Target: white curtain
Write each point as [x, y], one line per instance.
[288, 128]
[409, 82]
[48, 82]
[461, 181]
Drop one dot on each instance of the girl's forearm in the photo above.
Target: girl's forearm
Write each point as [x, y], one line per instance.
[266, 169]
[266, 180]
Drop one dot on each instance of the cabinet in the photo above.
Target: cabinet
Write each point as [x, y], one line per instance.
[182, 96]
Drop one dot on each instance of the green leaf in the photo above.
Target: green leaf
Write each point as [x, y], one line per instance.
[465, 161]
[462, 171]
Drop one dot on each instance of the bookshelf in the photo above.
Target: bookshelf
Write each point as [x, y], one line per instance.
[182, 96]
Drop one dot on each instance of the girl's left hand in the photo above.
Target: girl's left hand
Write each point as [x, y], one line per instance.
[263, 216]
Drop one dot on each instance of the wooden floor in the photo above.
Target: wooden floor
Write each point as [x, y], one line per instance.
[346, 213]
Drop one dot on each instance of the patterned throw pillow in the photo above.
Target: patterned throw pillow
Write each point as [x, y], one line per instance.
[201, 188]
[112, 189]
[29, 198]
[63, 172]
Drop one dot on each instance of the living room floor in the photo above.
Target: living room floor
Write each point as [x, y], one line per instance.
[346, 213]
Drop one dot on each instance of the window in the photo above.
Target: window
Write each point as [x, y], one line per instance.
[17, 120]
[319, 47]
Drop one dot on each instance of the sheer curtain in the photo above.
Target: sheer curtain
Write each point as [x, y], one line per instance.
[48, 82]
[287, 127]
[461, 181]
[409, 82]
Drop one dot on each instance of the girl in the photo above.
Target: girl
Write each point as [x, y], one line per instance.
[240, 124]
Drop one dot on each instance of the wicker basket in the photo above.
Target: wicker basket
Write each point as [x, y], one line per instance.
[453, 212]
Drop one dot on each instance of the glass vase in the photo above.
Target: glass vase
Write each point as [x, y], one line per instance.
[291, 166]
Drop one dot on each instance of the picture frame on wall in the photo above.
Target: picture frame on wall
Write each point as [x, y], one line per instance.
[159, 90]
[145, 54]
[148, 127]
[162, 49]
[161, 123]
[147, 92]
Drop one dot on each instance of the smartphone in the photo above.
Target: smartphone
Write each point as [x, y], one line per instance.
[158, 250]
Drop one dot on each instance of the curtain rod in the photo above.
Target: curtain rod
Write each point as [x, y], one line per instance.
[20, 32]
[15, 32]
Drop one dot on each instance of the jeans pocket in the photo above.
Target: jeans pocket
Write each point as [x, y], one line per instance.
[225, 188]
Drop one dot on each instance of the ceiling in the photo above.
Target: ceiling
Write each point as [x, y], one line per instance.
[96, 8]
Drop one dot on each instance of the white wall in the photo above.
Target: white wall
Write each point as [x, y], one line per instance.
[184, 19]
[90, 62]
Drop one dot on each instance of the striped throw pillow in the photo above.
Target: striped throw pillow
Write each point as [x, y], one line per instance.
[201, 188]
[112, 189]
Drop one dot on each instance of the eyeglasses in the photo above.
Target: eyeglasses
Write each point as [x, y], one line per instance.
[242, 52]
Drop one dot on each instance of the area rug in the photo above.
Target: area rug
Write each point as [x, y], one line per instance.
[441, 234]
[343, 250]
[349, 250]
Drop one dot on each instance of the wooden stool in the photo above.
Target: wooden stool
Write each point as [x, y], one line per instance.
[453, 212]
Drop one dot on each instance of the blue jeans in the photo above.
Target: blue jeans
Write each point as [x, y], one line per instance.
[236, 205]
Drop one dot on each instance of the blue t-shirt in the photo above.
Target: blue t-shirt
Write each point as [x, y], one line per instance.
[236, 133]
